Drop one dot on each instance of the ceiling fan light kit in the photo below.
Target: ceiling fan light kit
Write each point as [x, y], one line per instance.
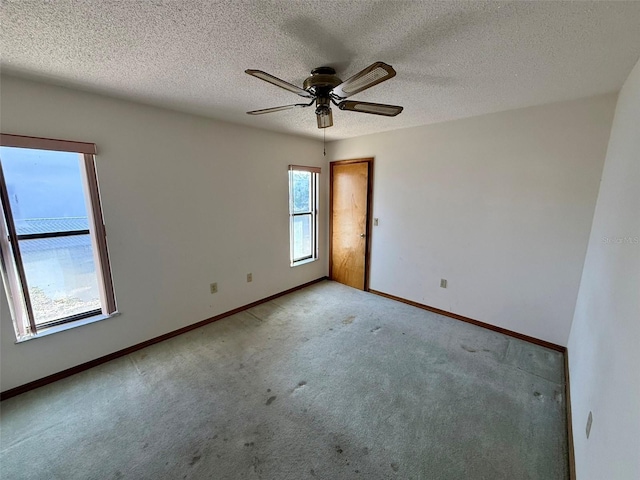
[323, 112]
[324, 87]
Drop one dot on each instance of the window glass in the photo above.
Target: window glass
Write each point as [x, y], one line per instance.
[303, 220]
[301, 191]
[302, 240]
[46, 194]
[45, 190]
[61, 276]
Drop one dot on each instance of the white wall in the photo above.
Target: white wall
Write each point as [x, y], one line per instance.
[187, 201]
[499, 205]
[604, 346]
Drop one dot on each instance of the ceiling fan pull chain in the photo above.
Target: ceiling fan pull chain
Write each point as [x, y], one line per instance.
[324, 142]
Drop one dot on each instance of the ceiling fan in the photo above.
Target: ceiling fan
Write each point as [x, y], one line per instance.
[323, 87]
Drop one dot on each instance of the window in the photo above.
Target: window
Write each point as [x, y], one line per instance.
[303, 213]
[53, 248]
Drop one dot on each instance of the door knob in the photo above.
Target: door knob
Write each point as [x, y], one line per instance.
[362, 235]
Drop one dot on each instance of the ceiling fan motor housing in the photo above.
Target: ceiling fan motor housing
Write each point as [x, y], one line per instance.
[321, 81]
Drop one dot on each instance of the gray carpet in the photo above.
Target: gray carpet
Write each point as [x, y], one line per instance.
[325, 383]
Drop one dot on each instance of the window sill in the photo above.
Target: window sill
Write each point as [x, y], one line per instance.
[304, 262]
[67, 326]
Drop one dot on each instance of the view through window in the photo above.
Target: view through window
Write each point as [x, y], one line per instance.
[303, 213]
[53, 260]
[50, 216]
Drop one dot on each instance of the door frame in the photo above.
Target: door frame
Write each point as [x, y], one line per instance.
[369, 215]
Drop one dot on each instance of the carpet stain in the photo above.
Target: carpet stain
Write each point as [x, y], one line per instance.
[395, 467]
[313, 474]
[349, 319]
[270, 400]
[250, 444]
[338, 449]
[375, 330]
[256, 464]
[537, 394]
[195, 459]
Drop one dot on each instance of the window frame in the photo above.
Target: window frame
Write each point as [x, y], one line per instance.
[13, 273]
[312, 212]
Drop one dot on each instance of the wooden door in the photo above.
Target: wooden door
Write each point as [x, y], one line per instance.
[350, 201]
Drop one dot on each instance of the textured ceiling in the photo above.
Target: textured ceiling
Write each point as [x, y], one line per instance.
[454, 59]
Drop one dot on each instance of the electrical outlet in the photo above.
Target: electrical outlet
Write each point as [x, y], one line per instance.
[249, 277]
[589, 422]
[443, 283]
[213, 287]
[375, 222]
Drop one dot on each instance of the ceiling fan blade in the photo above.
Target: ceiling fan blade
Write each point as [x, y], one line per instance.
[372, 75]
[278, 109]
[279, 83]
[375, 108]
